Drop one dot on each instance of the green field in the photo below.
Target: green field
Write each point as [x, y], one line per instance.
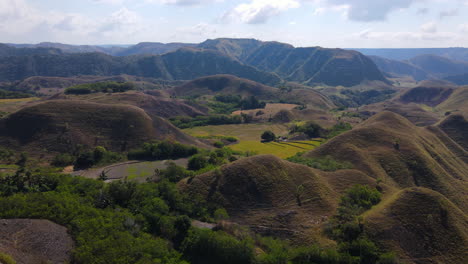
[249, 138]
[280, 149]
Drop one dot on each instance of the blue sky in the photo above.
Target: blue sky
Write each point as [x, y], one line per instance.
[327, 23]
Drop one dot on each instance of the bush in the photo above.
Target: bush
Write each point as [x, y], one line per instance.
[218, 144]
[99, 156]
[62, 160]
[197, 162]
[268, 136]
[161, 151]
[210, 247]
[174, 173]
[100, 87]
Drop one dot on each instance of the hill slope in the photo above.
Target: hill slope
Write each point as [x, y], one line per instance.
[35, 241]
[422, 226]
[229, 84]
[305, 65]
[61, 125]
[400, 68]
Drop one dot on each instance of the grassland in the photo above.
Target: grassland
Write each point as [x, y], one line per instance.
[249, 138]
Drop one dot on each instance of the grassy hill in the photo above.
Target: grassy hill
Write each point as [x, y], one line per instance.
[155, 106]
[232, 85]
[421, 226]
[389, 147]
[62, 125]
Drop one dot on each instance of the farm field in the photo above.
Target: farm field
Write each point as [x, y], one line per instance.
[279, 149]
[244, 132]
[249, 138]
[130, 170]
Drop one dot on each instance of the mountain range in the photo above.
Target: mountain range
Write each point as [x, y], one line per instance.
[265, 62]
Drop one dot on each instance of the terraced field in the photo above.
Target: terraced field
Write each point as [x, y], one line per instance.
[279, 149]
[249, 138]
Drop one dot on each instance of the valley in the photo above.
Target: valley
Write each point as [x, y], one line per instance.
[232, 151]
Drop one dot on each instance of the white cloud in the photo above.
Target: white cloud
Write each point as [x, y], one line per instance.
[371, 10]
[259, 11]
[430, 27]
[184, 2]
[463, 28]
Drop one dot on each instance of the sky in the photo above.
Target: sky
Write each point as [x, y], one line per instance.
[302, 23]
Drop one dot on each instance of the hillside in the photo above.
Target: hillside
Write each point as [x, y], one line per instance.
[439, 66]
[400, 68]
[461, 79]
[260, 192]
[62, 125]
[406, 54]
[421, 226]
[389, 147]
[183, 64]
[232, 85]
[154, 106]
[430, 96]
[310, 66]
[35, 241]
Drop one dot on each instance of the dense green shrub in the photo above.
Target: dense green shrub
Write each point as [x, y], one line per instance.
[100, 87]
[268, 136]
[161, 151]
[210, 247]
[188, 122]
[5, 94]
[63, 159]
[98, 156]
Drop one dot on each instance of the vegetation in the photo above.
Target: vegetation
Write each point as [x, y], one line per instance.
[326, 163]
[6, 259]
[189, 122]
[4, 94]
[314, 130]
[347, 227]
[226, 104]
[161, 151]
[268, 136]
[100, 87]
[98, 156]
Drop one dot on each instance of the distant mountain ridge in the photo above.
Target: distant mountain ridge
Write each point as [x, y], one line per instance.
[310, 66]
[406, 54]
[422, 67]
[183, 64]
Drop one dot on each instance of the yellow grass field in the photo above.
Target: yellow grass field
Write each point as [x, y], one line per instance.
[15, 100]
[249, 138]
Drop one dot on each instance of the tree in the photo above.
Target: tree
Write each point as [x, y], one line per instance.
[268, 136]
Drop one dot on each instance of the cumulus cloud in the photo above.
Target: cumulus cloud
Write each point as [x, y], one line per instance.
[259, 11]
[22, 22]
